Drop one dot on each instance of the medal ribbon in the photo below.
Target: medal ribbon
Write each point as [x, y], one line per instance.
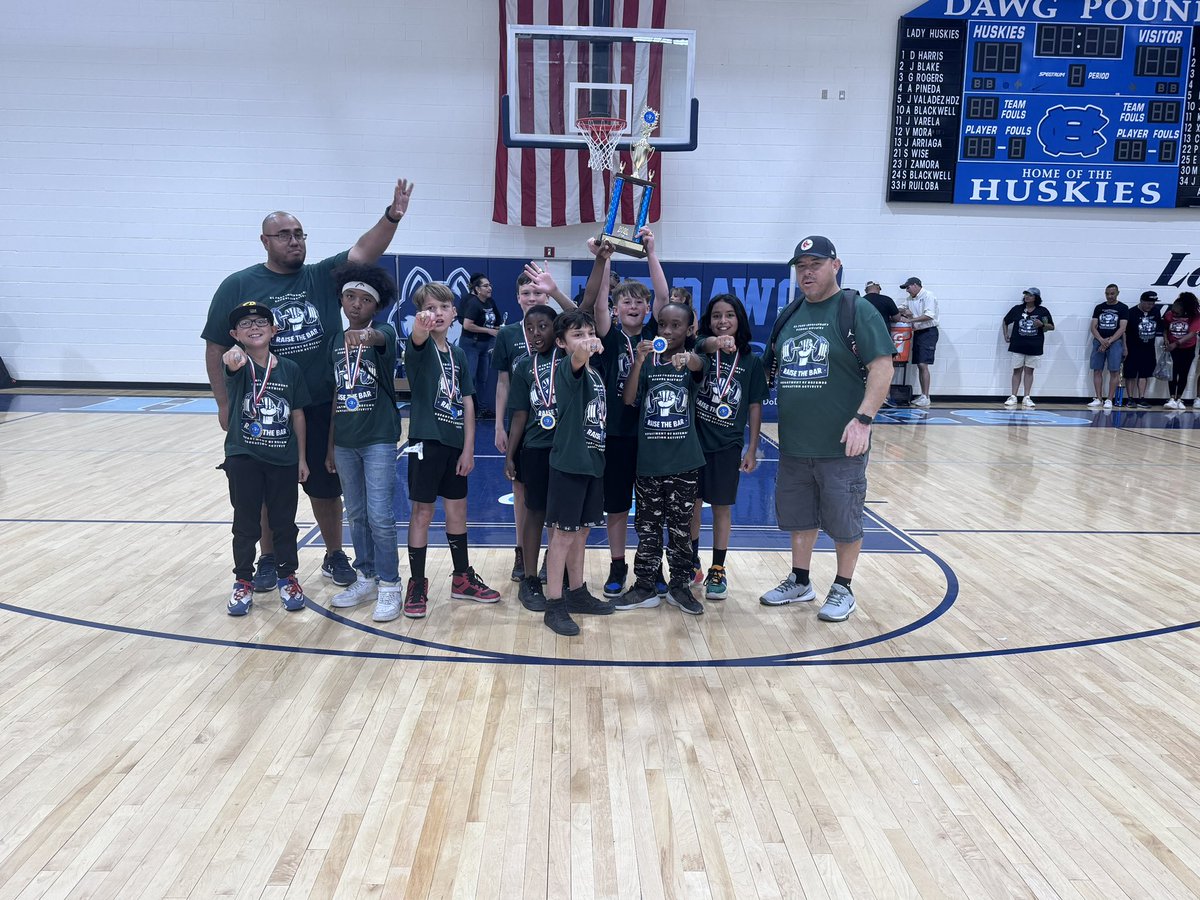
[448, 388]
[352, 371]
[723, 389]
[255, 391]
[547, 397]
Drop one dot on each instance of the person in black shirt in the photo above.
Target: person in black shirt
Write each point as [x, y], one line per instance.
[1145, 325]
[1025, 327]
[882, 302]
[481, 323]
[1109, 320]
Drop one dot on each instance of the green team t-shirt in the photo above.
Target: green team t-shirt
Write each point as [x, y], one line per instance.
[617, 362]
[723, 402]
[365, 411]
[260, 416]
[538, 398]
[819, 386]
[438, 381]
[667, 441]
[510, 347]
[307, 309]
[582, 411]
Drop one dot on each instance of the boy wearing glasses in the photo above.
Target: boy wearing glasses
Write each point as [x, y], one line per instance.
[264, 452]
[307, 310]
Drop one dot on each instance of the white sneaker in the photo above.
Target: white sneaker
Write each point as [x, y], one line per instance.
[1011, 401]
[1170, 403]
[923, 400]
[1108, 404]
[1095, 401]
[1028, 403]
[788, 591]
[387, 607]
[361, 591]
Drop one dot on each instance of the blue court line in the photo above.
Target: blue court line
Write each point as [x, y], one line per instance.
[927, 532]
[20, 418]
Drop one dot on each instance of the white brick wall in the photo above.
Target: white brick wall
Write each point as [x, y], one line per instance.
[141, 144]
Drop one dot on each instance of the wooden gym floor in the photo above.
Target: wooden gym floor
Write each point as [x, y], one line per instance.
[1013, 711]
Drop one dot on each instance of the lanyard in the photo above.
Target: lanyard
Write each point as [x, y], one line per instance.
[723, 389]
[352, 371]
[255, 390]
[547, 396]
[449, 388]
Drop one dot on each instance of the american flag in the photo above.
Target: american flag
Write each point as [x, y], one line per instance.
[543, 187]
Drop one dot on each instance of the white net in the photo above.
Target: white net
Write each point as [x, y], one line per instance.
[601, 134]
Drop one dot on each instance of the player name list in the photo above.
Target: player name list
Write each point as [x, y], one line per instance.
[927, 110]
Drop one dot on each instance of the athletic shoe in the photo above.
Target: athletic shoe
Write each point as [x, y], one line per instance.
[1028, 403]
[660, 583]
[518, 572]
[1196, 403]
[581, 602]
[697, 571]
[416, 598]
[1108, 404]
[789, 591]
[469, 586]
[1174, 404]
[558, 620]
[614, 586]
[1094, 402]
[715, 585]
[337, 566]
[531, 596]
[361, 591]
[680, 596]
[265, 576]
[923, 400]
[1011, 401]
[838, 605]
[241, 599]
[291, 595]
[387, 607]
[1143, 404]
[639, 596]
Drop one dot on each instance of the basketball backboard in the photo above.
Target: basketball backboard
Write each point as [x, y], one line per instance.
[558, 74]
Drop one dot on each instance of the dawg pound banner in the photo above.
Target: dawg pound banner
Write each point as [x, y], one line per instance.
[1047, 103]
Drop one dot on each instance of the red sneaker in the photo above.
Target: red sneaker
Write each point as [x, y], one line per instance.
[468, 586]
[416, 598]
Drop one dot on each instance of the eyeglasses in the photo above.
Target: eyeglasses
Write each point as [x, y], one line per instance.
[247, 323]
[286, 236]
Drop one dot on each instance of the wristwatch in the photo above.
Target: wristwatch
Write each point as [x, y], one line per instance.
[864, 418]
[387, 214]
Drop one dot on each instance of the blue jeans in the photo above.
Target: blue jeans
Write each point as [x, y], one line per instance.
[479, 358]
[368, 489]
[1107, 359]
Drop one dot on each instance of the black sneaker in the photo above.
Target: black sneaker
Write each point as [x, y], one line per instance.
[640, 596]
[614, 586]
[679, 595]
[580, 600]
[265, 576]
[558, 620]
[337, 566]
[531, 596]
[518, 572]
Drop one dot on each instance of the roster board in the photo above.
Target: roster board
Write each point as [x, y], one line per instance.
[1047, 103]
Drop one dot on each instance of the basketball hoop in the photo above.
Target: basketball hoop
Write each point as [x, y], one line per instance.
[601, 134]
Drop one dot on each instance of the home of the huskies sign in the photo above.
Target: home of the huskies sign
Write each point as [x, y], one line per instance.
[1047, 102]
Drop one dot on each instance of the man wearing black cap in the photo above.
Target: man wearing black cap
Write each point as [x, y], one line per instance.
[1025, 327]
[826, 407]
[307, 309]
[1145, 324]
[921, 309]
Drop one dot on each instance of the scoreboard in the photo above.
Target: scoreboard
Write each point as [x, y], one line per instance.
[1074, 102]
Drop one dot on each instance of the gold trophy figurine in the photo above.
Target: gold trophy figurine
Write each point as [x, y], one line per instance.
[623, 238]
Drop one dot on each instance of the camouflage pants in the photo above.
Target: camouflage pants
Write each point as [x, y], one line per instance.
[664, 500]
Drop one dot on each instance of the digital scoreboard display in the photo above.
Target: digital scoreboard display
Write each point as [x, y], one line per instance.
[1046, 103]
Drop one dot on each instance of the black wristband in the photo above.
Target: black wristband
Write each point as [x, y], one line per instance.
[387, 214]
[864, 418]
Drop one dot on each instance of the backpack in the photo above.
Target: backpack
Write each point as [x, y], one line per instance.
[845, 328]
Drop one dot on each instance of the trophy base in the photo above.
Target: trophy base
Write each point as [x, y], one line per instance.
[622, 245]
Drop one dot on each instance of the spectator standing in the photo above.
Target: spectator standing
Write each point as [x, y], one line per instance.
[1182, 322]
[481, 323]
[1109, 320]
[1145, 325]
[1025, 327]
[921, 309]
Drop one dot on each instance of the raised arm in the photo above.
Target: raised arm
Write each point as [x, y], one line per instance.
[372, 244]
[658, 278]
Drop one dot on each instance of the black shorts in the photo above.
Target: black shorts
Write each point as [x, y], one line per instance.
[1140, 365]
[434, 475]
[574, 502]
[924, 345]
[535, 475]
[321, 485]
[620, 468]
[720, 475]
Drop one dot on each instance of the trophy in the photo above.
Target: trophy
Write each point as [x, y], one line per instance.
[624, 237]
